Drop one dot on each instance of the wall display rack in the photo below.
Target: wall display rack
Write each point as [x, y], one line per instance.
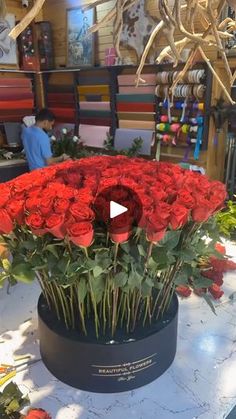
[106, 100]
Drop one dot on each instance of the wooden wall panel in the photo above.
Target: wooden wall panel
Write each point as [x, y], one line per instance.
[104, 36]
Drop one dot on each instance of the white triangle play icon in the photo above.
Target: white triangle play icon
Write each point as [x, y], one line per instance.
[116, 209]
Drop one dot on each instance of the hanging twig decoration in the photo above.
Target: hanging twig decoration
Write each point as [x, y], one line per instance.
[182, 18]
[16, 31]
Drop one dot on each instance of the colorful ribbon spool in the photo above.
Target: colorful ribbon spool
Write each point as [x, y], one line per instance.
[199, 138]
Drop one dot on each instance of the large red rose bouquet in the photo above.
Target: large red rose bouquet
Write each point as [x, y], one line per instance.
[119, 271]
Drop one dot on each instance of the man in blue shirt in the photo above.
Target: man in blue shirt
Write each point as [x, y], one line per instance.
[37, 143]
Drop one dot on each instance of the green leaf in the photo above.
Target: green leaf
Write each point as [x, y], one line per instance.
[187, 255]
[29, 245]
[53, 249]
[141, 250]
[23, 272]
[14, 406]
[146, 290]
[97, 271]
[209, 302]
[120, 279]
[182, 277]
[82, 290]
[171, 239]
[202, 282]
[98, 286]
[6, 264]
[162, 257]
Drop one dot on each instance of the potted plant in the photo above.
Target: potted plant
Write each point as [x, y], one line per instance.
[108, 309]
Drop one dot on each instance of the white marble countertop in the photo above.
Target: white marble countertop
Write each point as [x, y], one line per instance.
[200, 384]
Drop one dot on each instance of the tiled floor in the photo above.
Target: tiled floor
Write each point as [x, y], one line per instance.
[201, 383]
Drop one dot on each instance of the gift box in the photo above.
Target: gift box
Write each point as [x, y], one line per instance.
[110, 56]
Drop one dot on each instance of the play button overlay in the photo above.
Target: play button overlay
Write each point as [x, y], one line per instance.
[116, 209]
[120, 208]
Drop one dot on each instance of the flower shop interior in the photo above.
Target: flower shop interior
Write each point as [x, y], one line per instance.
[117, 251]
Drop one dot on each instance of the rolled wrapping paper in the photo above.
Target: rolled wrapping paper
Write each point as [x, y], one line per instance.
[130, 79]
[61, 97]
[20, 82]
[96, 121]
[146, 116]
[125, 137]
[56, 104]
[101, 106]
[93, 77]
[54, 88]
[137, 90]
[101, 89]
[135, 107]
[15, 94]
[93, 135]
[95, 114]
[94, 98]
[135, 98]
[146, 125]
[16, 104]
[68, 114]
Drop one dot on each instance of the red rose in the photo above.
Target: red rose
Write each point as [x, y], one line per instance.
[32, 203]
[220, 248]
[15, 209]
[163, 210]
[183, 290]
[73, 178]
[156, 228]
[107, 183]
[120, 228]
[158, 194]
[81, 212]
[38, 414]
[6, 225]
[54, 224]
[202, 210]
[61, 205]
[186, 199]
[147, 201]
[34, 220]
[46, 205]
[178, 216]
[216, 291]
[81, 233]
[5, 195]
[112, 172]
[84, 196]
[215, 275]
[230, 265]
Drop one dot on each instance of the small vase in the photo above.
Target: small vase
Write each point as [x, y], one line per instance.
[107, 365]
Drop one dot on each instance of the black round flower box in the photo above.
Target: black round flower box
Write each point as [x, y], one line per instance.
[107, 366]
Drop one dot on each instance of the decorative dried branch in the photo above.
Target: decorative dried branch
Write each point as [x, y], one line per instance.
[16, 31]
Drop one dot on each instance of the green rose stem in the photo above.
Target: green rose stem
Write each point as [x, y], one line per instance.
[104, 307]
[128, 311]
[65, 312]
[114, 311]
[81, 311]
[71, 297]
[44, 288]
[115, 256]
[137, 305]
[92, 296]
